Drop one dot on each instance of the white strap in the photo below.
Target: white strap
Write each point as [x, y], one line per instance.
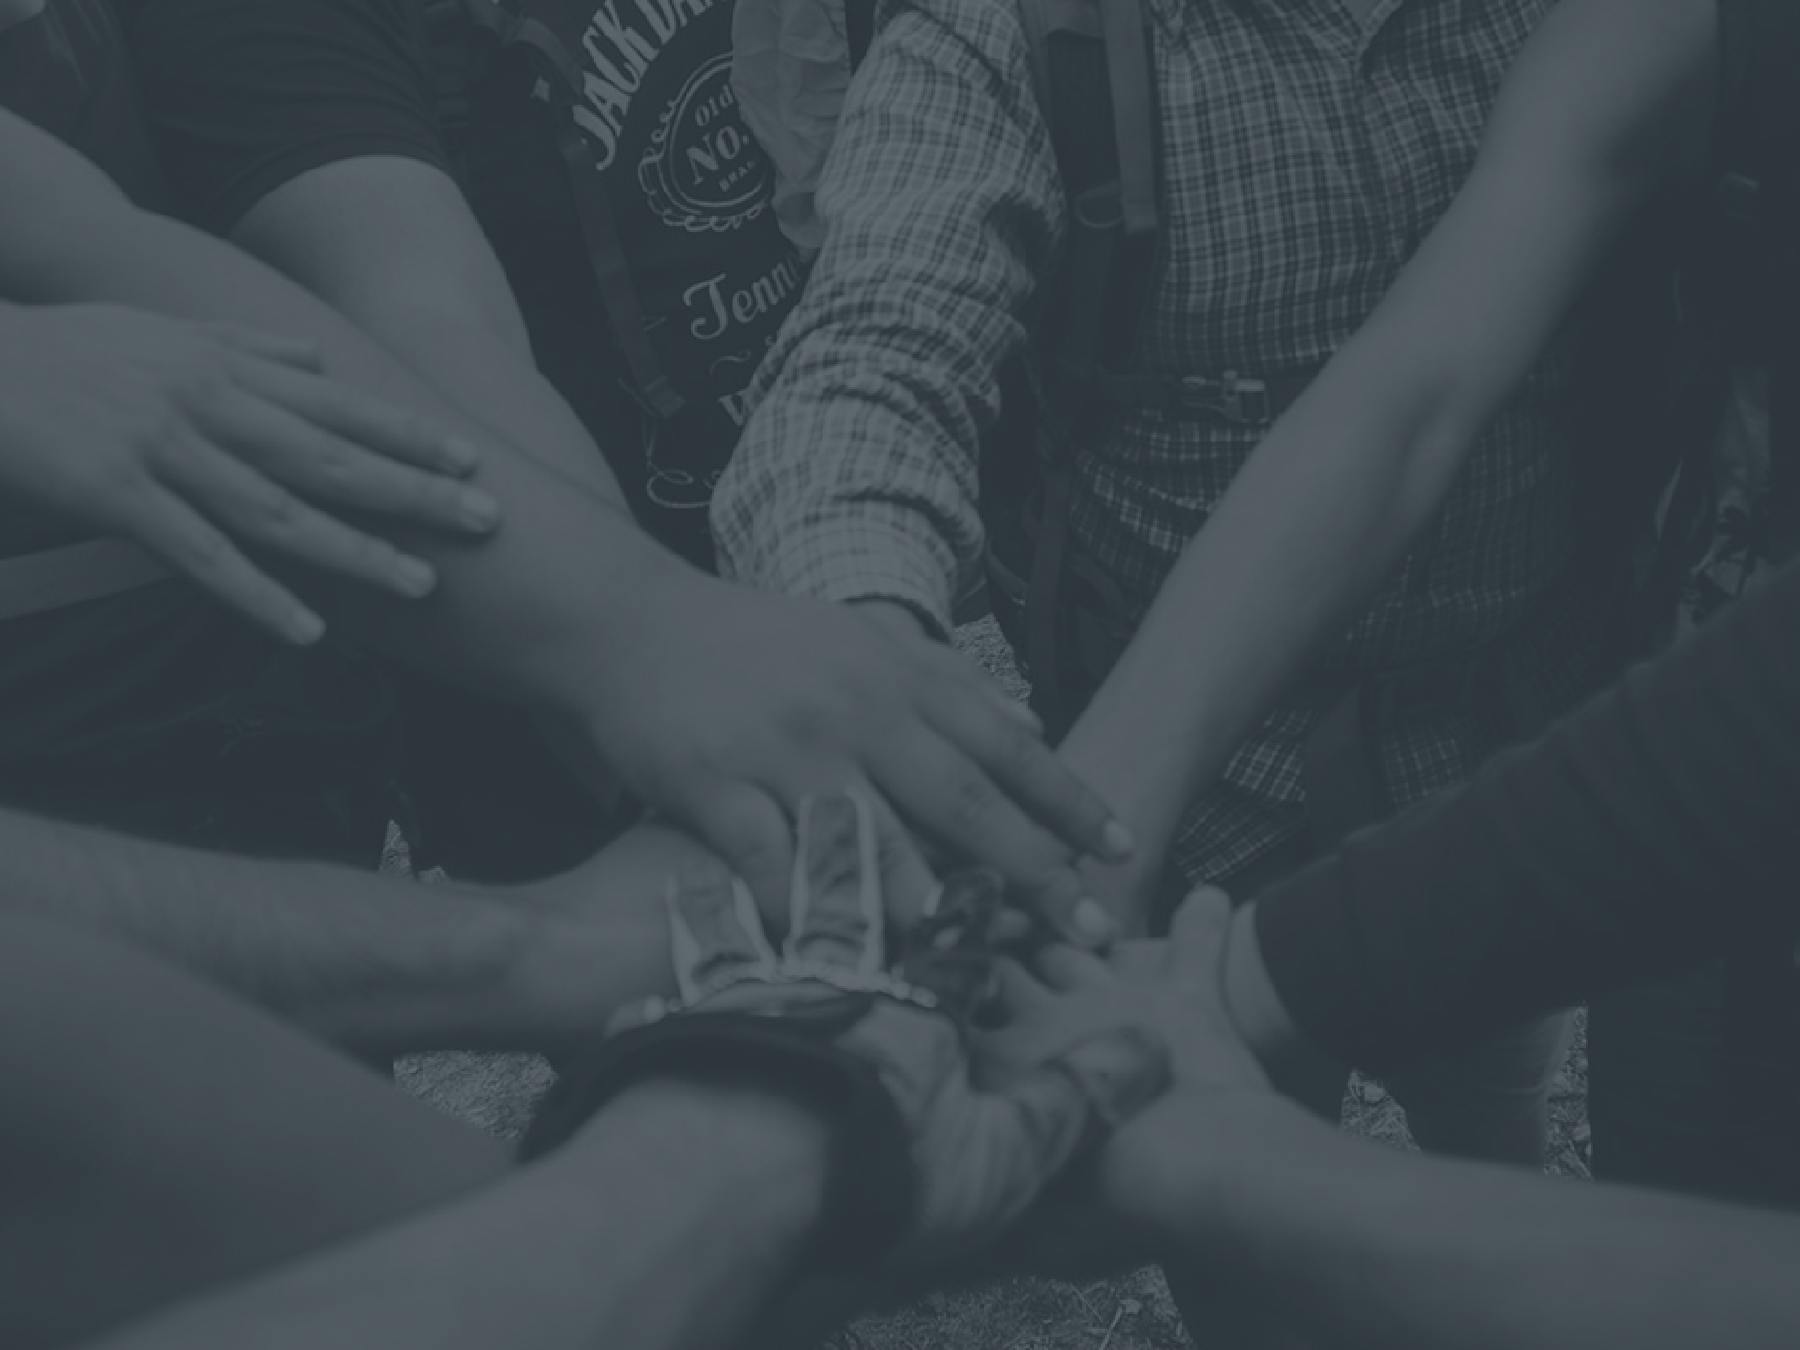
[56, 578]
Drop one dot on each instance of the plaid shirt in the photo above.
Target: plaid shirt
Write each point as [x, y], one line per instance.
[1306, 156]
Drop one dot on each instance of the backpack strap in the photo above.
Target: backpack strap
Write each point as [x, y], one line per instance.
[1095, 84]
[859, 28]
[73, 574]
[460, 33]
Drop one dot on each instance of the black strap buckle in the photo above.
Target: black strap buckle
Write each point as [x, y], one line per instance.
[1232, 397]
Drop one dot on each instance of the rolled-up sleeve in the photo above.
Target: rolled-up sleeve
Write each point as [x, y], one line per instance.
[856, 475]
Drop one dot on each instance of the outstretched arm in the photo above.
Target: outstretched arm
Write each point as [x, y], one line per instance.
[1354, 1243]
[1608, 102]
[720, 706]
[308, 134]
[1649, 833]
[1367, 1246]
[665, 1225]
[534, 610]
[378, 965]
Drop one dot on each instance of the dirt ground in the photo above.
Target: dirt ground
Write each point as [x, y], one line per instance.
[497, 1093]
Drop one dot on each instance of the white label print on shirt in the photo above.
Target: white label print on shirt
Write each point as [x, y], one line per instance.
[692, 189]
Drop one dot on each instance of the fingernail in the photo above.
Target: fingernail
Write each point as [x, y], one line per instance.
[461, 454]
[478, 509]
[1093, 924]
[1117, 841]
[305, 627]
[416, 577]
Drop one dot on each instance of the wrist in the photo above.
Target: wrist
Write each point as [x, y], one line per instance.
[593, 940]
[1260, 1015]
[1149, 741]
[901, 618]
[1130, 766]
[757, 1159]
[645, 585]
[1177, 1174]
[1251, 1001]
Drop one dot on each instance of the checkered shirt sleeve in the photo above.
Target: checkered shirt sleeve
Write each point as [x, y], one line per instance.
[856, 474]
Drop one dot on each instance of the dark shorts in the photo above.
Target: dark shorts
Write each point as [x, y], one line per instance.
[488, 798]
[296, 760]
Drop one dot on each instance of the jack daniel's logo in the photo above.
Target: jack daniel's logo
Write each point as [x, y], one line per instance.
[701, 171]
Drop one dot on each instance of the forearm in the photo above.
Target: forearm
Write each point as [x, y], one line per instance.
[856, 478]
[496, 382]
[391, 245]
[1369, 1246]
[378, 965]
[1317, 518]
[1648, 833]
[1604, 108]
[530, 610]
[664, 1226]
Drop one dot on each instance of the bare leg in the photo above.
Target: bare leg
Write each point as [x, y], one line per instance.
[162, 1137]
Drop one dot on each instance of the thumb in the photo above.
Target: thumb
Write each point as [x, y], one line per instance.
[1197, 936]
[1088, 1090]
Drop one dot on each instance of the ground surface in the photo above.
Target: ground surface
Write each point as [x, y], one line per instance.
[1135, 1313]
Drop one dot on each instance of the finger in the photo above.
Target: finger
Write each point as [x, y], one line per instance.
[255, 510]
[325, 466]
[957, 665]
[1026, 768]
[1139, 960]
[1069, 969]
[716, 936]
[300, 353]
[948, 796]
[909, 884]
[1018, 710]
[1119, 1072]
[950, 953]
[630, 1016]
[1015, 708]
[362, 419]
[1026, 1133]
[193, 546]
[835, 915]
[960, 912]
[1197, 936]
[1010, 926]
[1017, 992]
[751, 835]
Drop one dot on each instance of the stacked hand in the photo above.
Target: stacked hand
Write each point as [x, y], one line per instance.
[826, 1012]
[201, 441]
[732, 706]
[1172, 989]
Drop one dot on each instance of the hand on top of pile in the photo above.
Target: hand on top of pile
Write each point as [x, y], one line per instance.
[206, 443]
[730, 706]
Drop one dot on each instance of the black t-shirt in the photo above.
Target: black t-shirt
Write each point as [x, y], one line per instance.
[246, 94]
